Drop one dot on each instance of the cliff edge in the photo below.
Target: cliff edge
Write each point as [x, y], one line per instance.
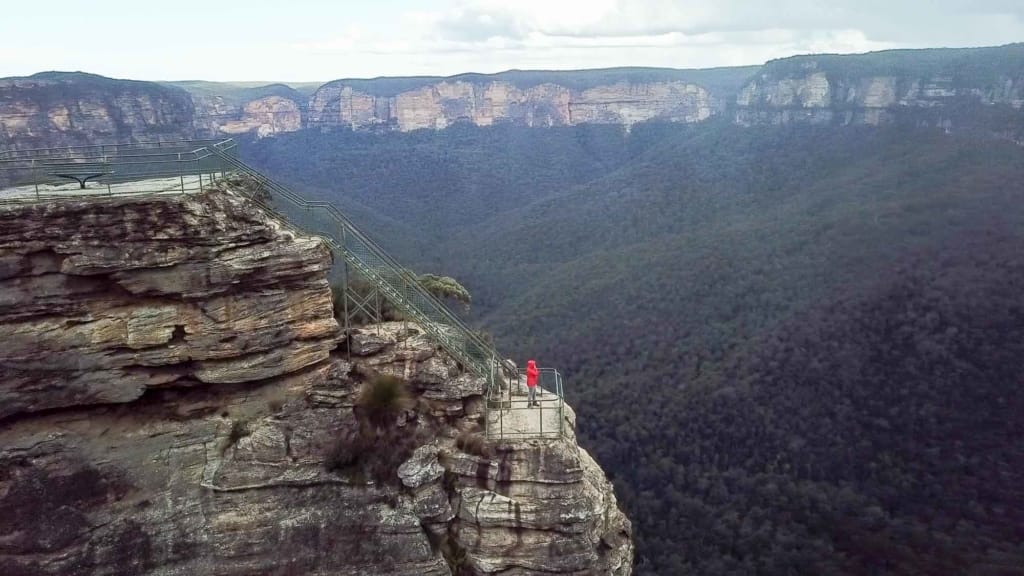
[177, 399]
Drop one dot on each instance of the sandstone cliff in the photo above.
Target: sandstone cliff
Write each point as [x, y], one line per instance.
[71, 109]
[58, 109]
[174, 392]
[977, 89]
[444, 103]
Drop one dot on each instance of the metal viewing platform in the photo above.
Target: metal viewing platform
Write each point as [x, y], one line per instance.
[510, 416]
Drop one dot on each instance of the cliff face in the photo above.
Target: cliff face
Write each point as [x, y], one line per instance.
[71, 109]
[442, 104]
[976, 89]
[54, 110]
[263, 116]
[172, 397]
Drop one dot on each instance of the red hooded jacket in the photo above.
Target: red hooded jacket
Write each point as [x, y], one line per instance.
[531, 373]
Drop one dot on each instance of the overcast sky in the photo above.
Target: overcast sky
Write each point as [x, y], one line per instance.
[316, 40]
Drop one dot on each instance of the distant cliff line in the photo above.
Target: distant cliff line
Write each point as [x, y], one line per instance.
[964, 89]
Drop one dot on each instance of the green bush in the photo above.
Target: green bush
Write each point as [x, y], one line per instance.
[445, 287]
[442, 287]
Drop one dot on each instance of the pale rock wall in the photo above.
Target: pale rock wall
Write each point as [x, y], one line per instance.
[817, 97]
[438, 106]
[172, 387]
[266, 116]
[628, 104]
[57, 113]
[213, 112]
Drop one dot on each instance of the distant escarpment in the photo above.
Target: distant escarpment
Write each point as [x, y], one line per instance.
[61, 109]
[964, 89]
[622, 96]
[442, 104]
[969, 89]
[55, 109]
[176, 398]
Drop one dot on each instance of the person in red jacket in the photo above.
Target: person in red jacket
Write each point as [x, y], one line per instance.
[531, 382]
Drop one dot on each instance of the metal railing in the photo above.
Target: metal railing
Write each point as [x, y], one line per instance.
[511, 417]
[195, 166]
[129, 169]
[100, 150]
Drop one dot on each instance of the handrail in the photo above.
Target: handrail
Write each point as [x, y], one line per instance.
[40, 153]
[396, 282]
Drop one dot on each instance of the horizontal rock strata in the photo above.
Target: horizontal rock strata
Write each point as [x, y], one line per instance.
[175, 393]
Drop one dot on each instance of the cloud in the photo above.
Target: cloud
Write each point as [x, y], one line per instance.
[476, 23]
[442, 37]
[878, 20]
[494, 35]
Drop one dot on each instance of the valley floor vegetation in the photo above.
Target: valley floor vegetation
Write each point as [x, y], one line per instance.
[795, 349]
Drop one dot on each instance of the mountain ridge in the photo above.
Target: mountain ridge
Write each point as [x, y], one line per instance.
[973, 89]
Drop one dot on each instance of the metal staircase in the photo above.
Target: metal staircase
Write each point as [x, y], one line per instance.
[372, 263]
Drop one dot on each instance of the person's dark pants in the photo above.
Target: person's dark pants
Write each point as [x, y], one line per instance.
[532, 394]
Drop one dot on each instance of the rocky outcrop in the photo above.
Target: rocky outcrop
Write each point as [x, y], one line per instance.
[73, 109]
[264, 116]
[444, 103]
[174, 394]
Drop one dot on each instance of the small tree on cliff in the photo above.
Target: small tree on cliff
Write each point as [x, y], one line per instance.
[444, 288]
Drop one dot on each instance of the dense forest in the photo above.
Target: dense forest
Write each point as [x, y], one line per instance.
[795, 350]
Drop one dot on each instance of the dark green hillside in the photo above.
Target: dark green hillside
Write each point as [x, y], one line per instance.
[241, 92]
[416, 190]
[796, 350]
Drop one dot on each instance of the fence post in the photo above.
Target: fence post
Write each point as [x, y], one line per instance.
[344, 299]
[540, 405]
[181, 172]
[561, 406]
[35, 177]
[377, 310]
[199, 171]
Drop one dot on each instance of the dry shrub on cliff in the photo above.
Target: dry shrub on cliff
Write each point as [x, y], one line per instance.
[382, 400]
[349, 445]
[239, 429]
[473, 442]
[377, 443]
[366, 452]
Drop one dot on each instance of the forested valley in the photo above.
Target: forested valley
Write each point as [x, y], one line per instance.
[794, 349]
